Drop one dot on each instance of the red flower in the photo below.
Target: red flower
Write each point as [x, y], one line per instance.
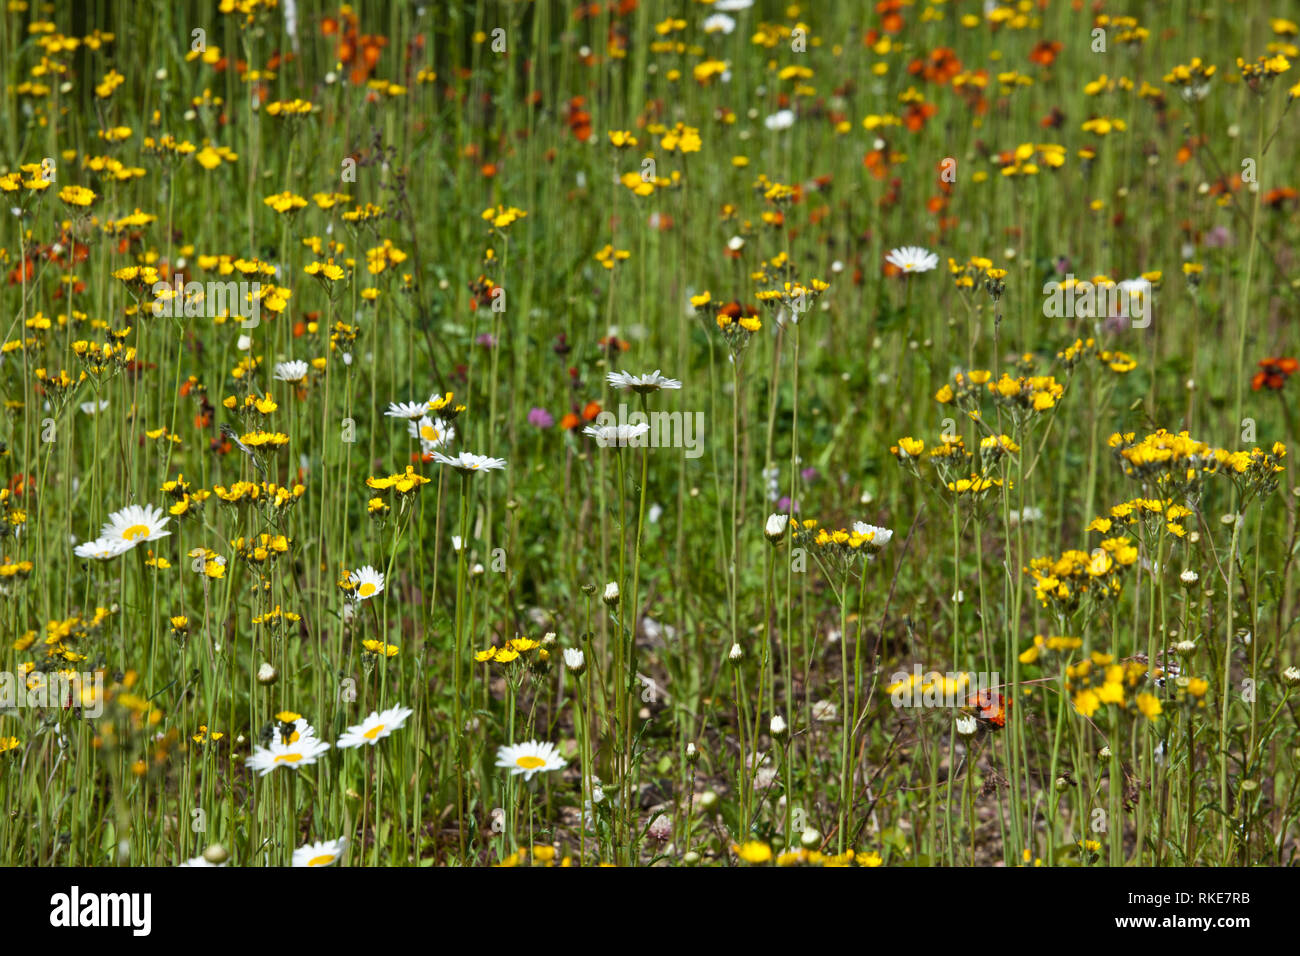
[1274, 372]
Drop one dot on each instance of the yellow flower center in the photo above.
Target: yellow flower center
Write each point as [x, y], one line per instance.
[530, 762]
[135, 531]
[373, 732]
[366, 589]
[429, 433]
[324, 859]
[288, 758]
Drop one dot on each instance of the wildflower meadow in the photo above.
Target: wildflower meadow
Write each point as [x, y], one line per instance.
[649, 433]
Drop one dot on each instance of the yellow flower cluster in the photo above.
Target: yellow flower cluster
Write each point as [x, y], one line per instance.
[1063, 583]
[512, 651]
[1049, 645]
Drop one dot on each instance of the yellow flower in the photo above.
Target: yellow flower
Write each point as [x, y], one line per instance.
[1149, 704]
[1086, 702]
[285, 202]
[77, 195]
[753, 851]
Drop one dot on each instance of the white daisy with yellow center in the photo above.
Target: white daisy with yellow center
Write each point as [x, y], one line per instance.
[375, 727]
[133, 525]
[302, 752]
[433, 433]
[320, 853]
[912, 259]
[529, 758]
[368, 582]
[411, 411]
[99, 549]
[467, 462]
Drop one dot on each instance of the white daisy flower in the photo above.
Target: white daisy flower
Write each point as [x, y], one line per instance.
[733, 6]
[300, 731]
[879, 536]
[199, 861]
[99, 549]
[375, 727]
[618, 436]
[133, 524]
[966, 726]
[1134, 288]
[90, 408]
[719, 23]
[529, 758]
[294, 372]
[1025, 515]
[467, 462]
[412, 411]
[775, 527]
[320, 853]
[368, 581]
[781, 119]
[912, 259]
[650, 382]
[433, 433]
[301, 753]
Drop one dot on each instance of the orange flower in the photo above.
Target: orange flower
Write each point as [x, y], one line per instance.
[916, 115]
[1273, 373]
[578, 119]
[1274, 198]
[1044, 52]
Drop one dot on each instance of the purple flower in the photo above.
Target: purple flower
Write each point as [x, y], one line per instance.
[1218, 237]
[783, 506]
[487, 339]
[540, 418]
[808, 474]
[1117, 323]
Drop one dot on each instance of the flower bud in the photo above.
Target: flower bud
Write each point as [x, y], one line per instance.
[216, 854]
